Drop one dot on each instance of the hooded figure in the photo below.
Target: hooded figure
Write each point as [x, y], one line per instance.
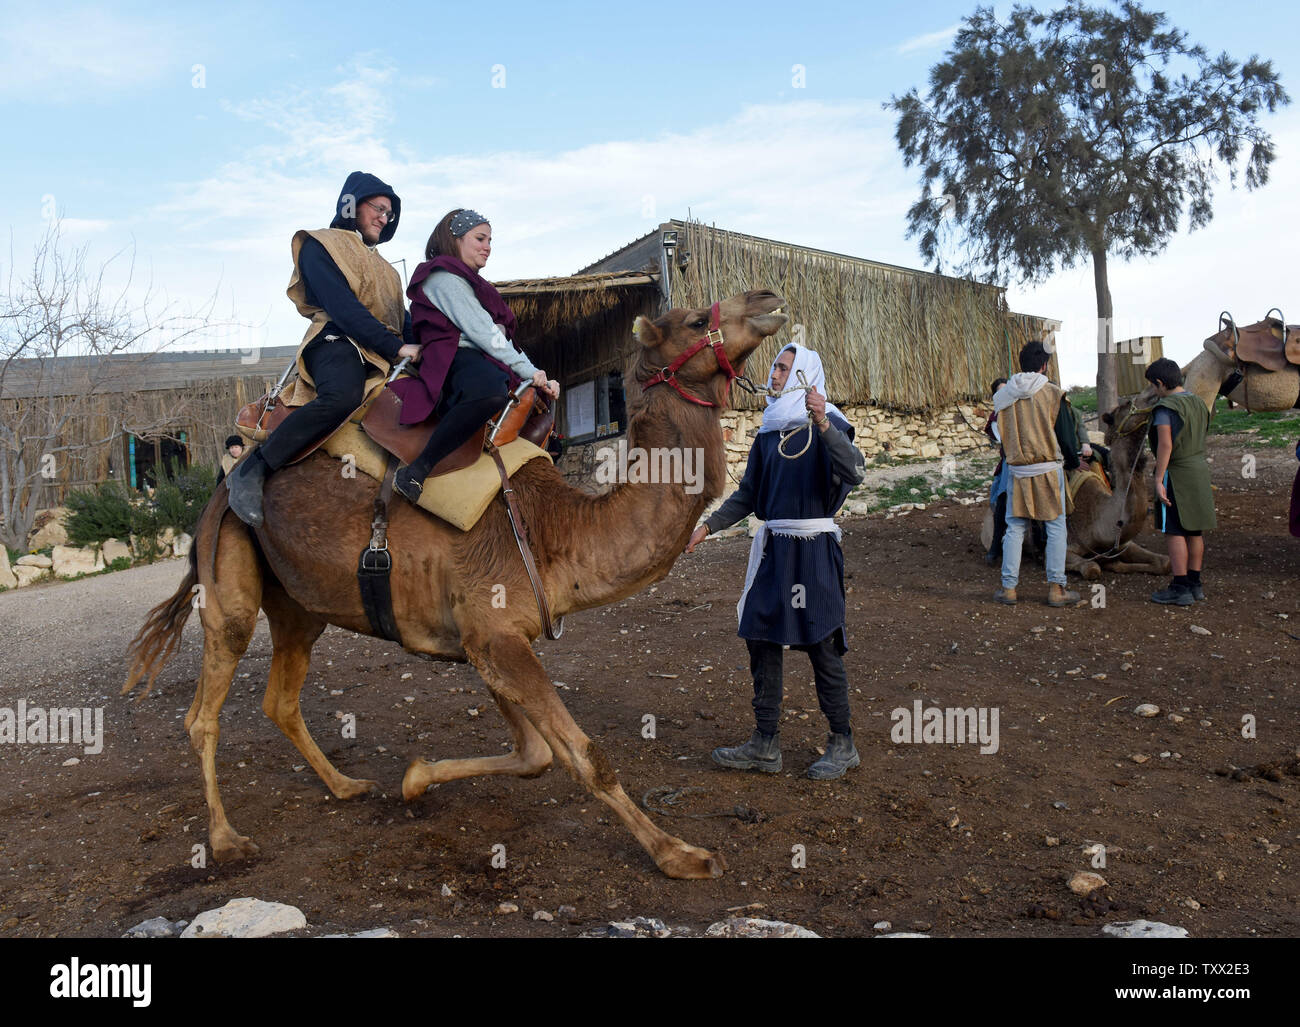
[801, 468]
[358, 329]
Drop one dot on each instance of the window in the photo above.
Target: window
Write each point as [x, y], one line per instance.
[146, 456]
[595, 409]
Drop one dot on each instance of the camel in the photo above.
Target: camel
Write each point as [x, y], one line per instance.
[1259, 390]
[300, 567]
[1105, 522]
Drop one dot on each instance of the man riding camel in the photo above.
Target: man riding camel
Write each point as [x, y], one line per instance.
[359, 328]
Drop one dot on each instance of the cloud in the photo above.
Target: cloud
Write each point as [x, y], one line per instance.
[824, 175]
[929, 41]
[80, 54]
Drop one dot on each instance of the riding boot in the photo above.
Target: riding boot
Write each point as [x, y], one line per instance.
[761, 752]
[245, 487]
[841, 756]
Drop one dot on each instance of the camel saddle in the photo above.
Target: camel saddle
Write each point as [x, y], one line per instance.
[379, 417]
[1271, 343]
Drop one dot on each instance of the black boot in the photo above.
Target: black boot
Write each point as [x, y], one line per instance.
[409, 481]
[245, 486]
[761, 752]
[841, 756]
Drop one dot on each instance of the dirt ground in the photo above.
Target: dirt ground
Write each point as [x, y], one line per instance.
[1199, 823]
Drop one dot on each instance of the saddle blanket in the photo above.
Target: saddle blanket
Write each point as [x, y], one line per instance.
[459, 498]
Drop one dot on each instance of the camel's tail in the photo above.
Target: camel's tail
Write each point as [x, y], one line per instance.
[160, 636]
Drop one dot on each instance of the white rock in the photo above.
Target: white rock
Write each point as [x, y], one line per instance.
[69, 561]
[883, 925]
[246, 918]
[752, 927]
[374, 932]
[157, 927]
[904, 934]
[446, 892]
[1196, 629]
[181, 546]
[7, 579]
[1084, 882]
[507, 907]
[35, 560]
[71, 761]
[115, 550]
[26, 575]
[638, 927]
[542, 914]
[52, 532]
[1148, 710]
[1144, 929]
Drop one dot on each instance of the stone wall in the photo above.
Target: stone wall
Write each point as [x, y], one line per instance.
[881, 433]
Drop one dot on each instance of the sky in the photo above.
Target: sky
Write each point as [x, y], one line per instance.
[195, 140]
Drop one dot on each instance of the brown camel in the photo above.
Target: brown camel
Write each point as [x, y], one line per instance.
[591, 551]
[1103, 525]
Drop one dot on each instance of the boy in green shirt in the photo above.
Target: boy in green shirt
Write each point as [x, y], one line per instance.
[1184, 501]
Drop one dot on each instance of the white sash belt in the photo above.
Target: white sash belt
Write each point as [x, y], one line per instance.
[1034, 470]
[794, 527]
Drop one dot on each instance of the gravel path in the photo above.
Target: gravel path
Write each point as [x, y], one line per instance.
[60, 632]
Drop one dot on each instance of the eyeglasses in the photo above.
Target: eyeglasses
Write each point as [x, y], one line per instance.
[389, 216]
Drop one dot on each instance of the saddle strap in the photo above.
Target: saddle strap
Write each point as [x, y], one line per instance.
[552, 630]
[376, 564]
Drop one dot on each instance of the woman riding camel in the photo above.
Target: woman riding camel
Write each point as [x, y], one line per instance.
[469, 362]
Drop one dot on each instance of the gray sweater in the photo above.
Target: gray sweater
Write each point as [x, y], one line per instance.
[455, 298]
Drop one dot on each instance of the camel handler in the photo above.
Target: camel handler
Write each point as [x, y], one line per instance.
[1036, 428]
[359, 329]
[802, 466]
[1184, 501]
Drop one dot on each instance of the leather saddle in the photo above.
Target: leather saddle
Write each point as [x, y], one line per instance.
[1271, 343]
[380, 418]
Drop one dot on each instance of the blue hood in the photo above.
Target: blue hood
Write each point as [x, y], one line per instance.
[360, 186]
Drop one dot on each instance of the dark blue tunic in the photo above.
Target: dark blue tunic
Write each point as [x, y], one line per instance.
[775, 488]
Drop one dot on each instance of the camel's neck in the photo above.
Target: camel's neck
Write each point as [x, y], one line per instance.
[1204, 375]
[671, 465]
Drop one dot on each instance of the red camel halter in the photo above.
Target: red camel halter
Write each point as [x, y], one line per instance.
[712, 338]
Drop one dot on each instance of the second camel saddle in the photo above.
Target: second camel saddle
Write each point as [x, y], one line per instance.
[1271, 343]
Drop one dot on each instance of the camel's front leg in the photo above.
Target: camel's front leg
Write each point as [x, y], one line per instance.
[1076, 564]
[530, 757]
[510, 668]
[1133, 559]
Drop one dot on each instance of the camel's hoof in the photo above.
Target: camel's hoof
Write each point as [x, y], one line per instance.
[1090, 572]
[351, 787]
[234, 846]
[416, 779]
[692, 864]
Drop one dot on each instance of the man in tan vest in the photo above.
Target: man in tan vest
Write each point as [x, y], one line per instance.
[359, 328]
[1039, 439]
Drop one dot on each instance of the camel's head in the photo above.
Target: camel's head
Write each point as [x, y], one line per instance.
[744, 321]
[1129, 419]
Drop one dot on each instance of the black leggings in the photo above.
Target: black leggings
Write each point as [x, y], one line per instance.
[474, 390]
[766, 660]
[340, 376]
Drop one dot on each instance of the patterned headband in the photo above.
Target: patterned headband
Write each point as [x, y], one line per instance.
[466, 220]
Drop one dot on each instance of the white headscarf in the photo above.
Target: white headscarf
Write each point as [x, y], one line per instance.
[789, 410]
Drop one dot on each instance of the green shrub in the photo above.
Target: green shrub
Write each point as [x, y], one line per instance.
[181, 496]
[97, 514]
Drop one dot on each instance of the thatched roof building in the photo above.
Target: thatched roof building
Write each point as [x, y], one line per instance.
[889, 336]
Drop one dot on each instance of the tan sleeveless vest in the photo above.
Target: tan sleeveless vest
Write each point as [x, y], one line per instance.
[374, 282]
[1028, 430]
